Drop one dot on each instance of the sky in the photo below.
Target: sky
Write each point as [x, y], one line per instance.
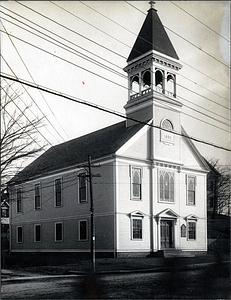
[73, 39]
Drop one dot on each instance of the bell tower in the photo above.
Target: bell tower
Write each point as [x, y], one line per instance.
[152, 69]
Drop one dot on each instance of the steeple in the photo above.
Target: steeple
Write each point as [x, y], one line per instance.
[152, 68]
[152, 36]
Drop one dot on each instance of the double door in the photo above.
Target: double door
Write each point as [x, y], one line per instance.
[167, 234]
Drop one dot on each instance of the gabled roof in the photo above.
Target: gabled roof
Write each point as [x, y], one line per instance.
[152, 36]
[96, 144]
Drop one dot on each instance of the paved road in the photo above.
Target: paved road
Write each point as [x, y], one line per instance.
[208, 283]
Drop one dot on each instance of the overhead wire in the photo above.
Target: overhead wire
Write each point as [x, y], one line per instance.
[112, 81]
[98, 43]
[83, 56]
[198, 48]
[57, 35]
[39, 91]
[179, 74]
[200, 21]
[110, 68]
[78, 100]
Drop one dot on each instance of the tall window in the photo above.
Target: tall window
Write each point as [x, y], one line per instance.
[191, 230]
[137, 229]
[136, 183]
[37, 233]
[82, 188]
[83, 236]
[146, 79]
[166, 186]
[58, 232]
[135, 87]
[191, 190]
[19, 234]
[37, 196]
[58, 192]
[19, 199]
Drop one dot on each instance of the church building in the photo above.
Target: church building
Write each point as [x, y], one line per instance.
[151, 193]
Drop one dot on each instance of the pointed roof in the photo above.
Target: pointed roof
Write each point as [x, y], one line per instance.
[152, 36]
[97, 144]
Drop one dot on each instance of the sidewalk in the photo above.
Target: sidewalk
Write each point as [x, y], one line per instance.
[109, 266]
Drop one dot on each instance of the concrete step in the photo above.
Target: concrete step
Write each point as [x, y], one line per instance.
[177, 253]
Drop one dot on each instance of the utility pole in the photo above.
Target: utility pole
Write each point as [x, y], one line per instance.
[92, 217]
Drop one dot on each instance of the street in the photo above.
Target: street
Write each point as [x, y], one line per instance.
[208, 283]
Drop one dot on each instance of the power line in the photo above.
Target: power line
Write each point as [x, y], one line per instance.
[200, 21]
[98, 43]
[55, 34]
[111, 81]
[81, 55]
[122, 75]
[206, 109]
[34, 82]
[78, 100]
[185, 40]
[103, 65]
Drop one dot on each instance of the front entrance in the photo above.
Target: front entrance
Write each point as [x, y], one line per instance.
[167, 234]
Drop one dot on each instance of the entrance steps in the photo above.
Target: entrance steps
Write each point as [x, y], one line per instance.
[177, 253]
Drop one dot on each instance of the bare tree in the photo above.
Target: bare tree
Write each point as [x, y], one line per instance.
[19, 131]
[221, 189]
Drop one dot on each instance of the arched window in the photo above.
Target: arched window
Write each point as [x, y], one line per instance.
[166, 124]
[136, 183]
[159, 79]
[170, 84]
[166, 186]
[146, 79]
[135, 84]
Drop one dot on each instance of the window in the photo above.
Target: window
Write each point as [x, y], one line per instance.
[137, 229]
[183, 230]
[82, 188]
[19, 200]
[58, 232]
[58, 192]
[146, 79]
[135, 87]
[191, 230]
[5, 212]
[167, 136]
[19, 234]
[159, 79]
[191, 190]
[37, 199]
[136, 183]
[37, 233]
[166, 186]
[83, 236]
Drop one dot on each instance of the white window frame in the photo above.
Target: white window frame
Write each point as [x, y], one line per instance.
[40, 196]
[79, 239]
[61, 180]
[17, 211]
[17, 234]
[187, 185]
[171, 174]
[35, 225]
[136, 216]
[132, 197]
[56, 223]
[86, 200]
[193, 222]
